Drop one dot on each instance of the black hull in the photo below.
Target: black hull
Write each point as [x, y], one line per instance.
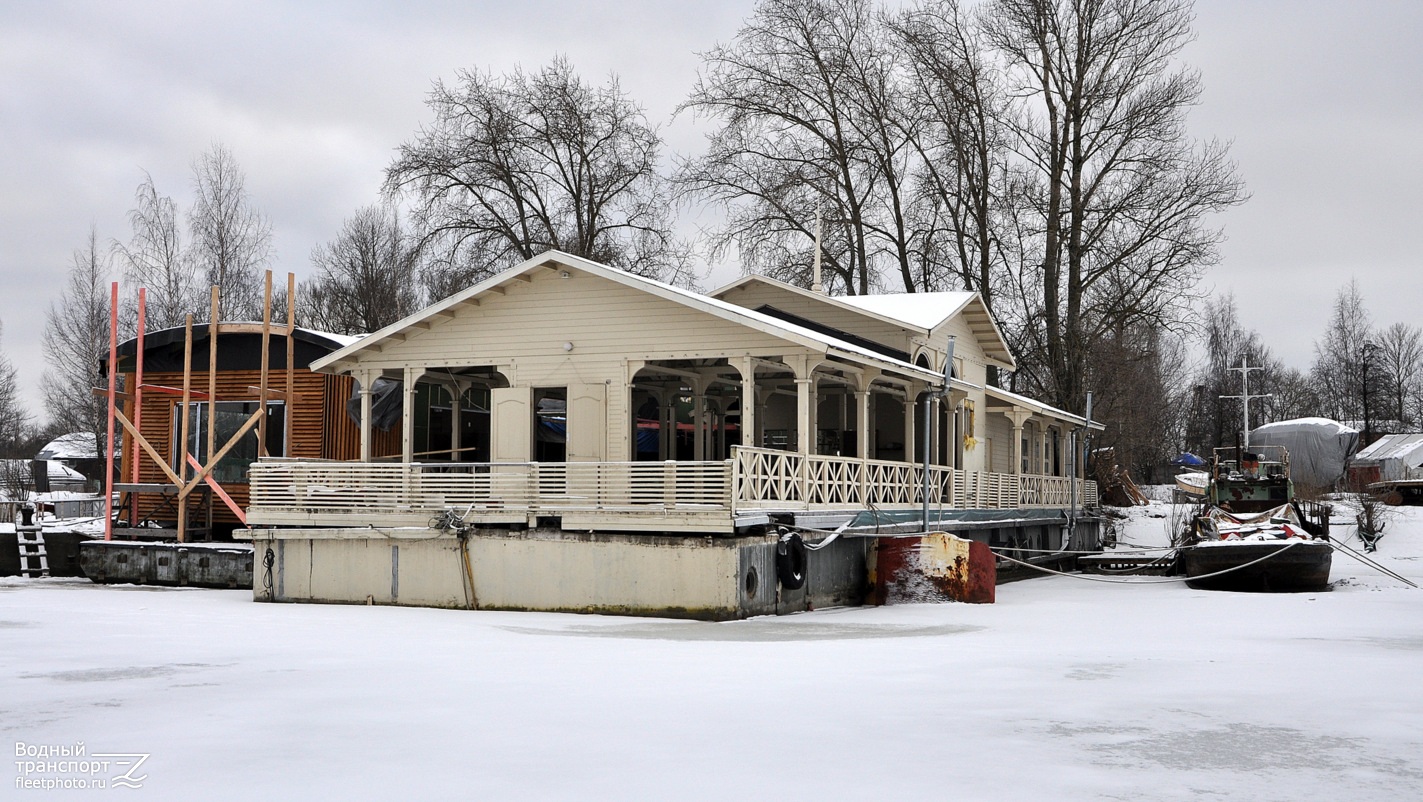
[1301, 568]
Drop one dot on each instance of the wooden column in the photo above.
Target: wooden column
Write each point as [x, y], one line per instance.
[910, 408]
[407, 416]
[746, 366]
[862, 424]
[365, 378]
[805, 402]
[1018, 417]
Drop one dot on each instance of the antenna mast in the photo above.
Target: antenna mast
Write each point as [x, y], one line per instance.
[1245, 396]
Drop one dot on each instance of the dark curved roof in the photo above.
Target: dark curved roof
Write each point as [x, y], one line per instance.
[236, 350]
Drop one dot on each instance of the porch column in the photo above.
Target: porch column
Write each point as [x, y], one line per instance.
[666, 432]
[456, 418]
[699, 414]
[805, 403]
[746, 366]
[1018, 417]
[862, 423]
[407, 416]
[936, 451]
[910, 410]
[365, 379]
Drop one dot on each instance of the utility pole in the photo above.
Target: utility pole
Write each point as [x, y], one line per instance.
[1245, 396]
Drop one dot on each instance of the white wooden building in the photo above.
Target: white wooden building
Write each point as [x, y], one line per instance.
[618, 403]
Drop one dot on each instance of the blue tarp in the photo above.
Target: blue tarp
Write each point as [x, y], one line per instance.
[1189, 460]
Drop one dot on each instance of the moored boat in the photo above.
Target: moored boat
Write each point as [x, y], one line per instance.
[1252, 535]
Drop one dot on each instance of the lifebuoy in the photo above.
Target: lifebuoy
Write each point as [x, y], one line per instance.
[791, 561]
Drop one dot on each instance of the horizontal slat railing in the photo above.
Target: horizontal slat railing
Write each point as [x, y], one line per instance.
[344, 489]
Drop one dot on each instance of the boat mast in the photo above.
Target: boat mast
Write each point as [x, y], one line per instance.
[1245, 396]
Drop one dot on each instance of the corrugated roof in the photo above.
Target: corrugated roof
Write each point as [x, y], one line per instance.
[1405, 447]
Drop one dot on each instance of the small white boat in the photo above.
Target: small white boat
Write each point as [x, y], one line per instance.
[1193, 483]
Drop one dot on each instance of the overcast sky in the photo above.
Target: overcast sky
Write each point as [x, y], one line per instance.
[1322, 99]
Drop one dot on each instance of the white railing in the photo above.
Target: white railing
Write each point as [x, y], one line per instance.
[339, 489]
[285, 491]
[770, 479]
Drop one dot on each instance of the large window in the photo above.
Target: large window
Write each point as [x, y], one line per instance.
[228, 417]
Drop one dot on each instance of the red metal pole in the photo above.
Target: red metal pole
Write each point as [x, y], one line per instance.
[138, 389]
[109, 418]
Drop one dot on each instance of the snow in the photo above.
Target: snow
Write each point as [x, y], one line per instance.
[1063, 689]
[923, 310]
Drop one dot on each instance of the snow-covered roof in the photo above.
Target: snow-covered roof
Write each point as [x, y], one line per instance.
[75, 445]
[922, 309]
[917, 312]
[1407, 448]
[58, 471]
[1039, 407]
[714, 306]
[1320, 426]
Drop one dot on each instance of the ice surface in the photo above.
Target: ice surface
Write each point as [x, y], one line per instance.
[1064, 689]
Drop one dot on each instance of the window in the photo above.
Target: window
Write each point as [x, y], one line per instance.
[228, 418]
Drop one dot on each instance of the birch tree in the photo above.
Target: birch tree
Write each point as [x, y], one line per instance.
[76, 339]
[154, 258]
[231, 239]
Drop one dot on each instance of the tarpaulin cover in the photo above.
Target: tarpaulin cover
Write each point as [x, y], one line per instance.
[1319, 448]
[1189, 460]
[387, 402]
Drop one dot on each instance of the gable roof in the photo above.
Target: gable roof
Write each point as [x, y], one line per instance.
[767, 324]
[920, 312]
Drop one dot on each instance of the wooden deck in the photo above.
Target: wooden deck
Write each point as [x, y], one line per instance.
[626, 496]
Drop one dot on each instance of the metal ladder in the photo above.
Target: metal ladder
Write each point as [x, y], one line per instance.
[31, 545]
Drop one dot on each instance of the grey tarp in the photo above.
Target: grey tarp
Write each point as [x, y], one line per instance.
[1319, 448]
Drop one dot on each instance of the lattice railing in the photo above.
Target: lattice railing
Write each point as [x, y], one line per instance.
[771, 479]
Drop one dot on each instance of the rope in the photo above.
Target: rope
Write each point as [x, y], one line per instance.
[1339, 546]
[1161, 581]
[268, 560]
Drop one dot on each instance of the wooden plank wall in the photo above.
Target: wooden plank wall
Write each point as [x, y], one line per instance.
[321, 429]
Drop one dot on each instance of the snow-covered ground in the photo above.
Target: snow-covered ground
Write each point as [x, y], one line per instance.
[1064, 689]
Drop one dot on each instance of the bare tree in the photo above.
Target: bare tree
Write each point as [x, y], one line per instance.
[516, 164]
[812, 121]
[154, 258]
[76, 339]
[1400, 362]
[1343, 357]
[232, 241]
[15, 421]
[1117, 192]
[365, 277]
[965, 195]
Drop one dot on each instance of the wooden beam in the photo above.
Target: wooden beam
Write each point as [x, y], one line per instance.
[205, 470]
[222, 494]
[148, 447]
[214, 311]
[291, 365]
[104, 393]
[275, 395]
[183, 441]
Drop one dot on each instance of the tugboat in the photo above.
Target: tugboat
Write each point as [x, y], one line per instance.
[1251, 533]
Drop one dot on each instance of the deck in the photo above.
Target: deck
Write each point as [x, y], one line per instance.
[709, 496]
